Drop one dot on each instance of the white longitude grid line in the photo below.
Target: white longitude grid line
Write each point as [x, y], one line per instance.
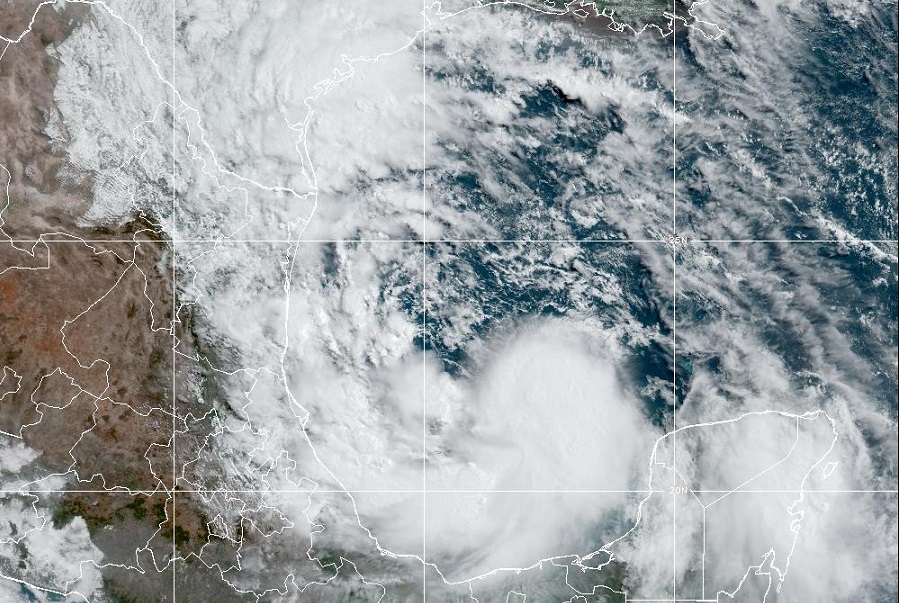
[673, 298]
[174, 310]
[424, 302]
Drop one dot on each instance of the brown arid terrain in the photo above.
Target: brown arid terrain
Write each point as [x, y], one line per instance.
[46, 194]
[86, 336]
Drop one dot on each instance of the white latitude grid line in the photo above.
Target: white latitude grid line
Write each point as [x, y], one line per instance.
[124, 492]
[666, 241]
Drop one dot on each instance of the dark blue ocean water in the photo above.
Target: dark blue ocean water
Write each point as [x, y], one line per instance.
[824, 143]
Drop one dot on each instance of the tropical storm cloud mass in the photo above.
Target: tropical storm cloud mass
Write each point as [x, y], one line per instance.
[448, 301]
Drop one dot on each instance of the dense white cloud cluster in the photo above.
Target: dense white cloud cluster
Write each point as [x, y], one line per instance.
[59, 560]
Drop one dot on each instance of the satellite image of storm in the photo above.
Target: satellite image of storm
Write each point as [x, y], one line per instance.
[456, 301]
